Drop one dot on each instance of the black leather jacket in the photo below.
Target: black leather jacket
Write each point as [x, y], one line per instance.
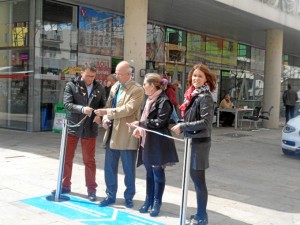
[75, 98]
[198, 117]
[159, 150]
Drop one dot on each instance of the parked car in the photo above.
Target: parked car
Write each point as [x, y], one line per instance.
[291, 137]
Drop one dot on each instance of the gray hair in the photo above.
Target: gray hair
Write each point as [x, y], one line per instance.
[90, 66]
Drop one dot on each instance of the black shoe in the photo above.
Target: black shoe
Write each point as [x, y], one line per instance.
[155, 209]
[63, 191]
[128, 203]
[144, 208]
[92, 196]
[107, 201]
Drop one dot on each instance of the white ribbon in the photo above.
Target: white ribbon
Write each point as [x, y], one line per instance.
[161, 134]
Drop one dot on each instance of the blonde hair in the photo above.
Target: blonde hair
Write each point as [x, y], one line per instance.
[156, 80]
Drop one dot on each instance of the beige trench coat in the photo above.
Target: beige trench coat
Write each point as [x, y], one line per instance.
[128, 109]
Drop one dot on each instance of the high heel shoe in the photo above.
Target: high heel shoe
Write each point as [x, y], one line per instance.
[144, 208]
[156, 208]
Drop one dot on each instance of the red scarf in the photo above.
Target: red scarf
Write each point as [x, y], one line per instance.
[189, 94]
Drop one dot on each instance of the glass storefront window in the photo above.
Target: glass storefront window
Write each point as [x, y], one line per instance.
[229, 53]
[195, 52]
[117, 42]
[291, 67]
[55, 56]
[101, 32]
[290, 75]
[155, 43]
[257, 59]
[175, 46]
[14, 69]
[248, 76]
[95, 31]
[213, 50]
[100, 38]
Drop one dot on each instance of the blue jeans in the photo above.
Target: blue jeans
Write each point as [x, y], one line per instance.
[128, 158]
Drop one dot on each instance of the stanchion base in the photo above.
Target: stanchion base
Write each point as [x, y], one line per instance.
[61, 198]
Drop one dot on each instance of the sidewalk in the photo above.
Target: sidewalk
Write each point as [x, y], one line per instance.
[249, 180]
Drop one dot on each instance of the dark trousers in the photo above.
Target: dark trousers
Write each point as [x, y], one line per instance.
[128, 158]
[198, 177]
[289, 112]
[227, 118]
[88, 156]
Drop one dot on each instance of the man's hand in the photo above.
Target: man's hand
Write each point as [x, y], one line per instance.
[100, 112]
[87, 110]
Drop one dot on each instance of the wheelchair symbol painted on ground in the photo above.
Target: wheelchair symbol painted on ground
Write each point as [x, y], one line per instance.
[86, 212]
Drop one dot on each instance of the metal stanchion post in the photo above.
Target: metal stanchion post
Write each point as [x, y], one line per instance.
[185, 179]
[57, 197]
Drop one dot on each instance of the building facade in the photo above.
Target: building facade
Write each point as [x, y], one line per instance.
[251, 46]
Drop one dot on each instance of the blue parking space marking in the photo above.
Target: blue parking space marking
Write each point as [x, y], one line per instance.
[87, 212]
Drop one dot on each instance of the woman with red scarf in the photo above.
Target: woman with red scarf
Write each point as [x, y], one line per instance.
[197, 111]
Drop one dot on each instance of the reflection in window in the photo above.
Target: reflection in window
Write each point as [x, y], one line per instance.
[229, 53]
[291, 67]
[14, 74]
[117, 42]
[213, 49]
[20, 34]
[195, 48]
[57, 41]
[257, 59]
[175, 46]
[100, 32]
[155, 43]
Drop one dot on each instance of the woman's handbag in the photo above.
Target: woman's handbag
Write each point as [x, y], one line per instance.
[140, 156]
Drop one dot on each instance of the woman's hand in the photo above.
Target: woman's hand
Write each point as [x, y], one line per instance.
[136, 133]
[97, 120]
[176, 129]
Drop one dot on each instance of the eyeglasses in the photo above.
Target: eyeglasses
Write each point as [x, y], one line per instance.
[118, 74]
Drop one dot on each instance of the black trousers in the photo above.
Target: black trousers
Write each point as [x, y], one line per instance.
[227, 118]
[198, 177]
[289, 112]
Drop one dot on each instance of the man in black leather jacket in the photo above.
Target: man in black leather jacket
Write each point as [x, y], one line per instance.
[81, 96]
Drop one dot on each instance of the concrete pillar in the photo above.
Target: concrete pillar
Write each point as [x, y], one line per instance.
[135, 35]
[273, 69]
